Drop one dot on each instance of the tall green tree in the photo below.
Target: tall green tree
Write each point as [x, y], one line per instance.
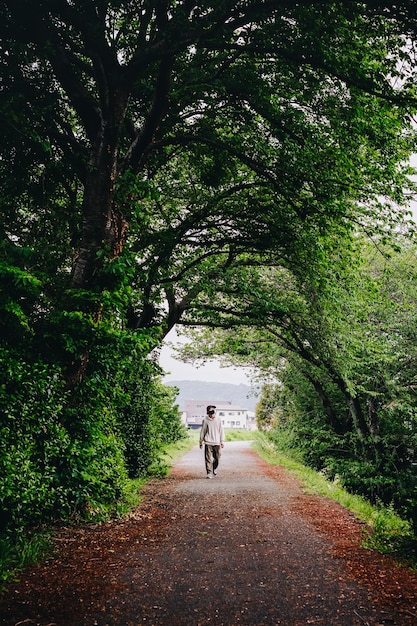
[157, 159]
[280, 113]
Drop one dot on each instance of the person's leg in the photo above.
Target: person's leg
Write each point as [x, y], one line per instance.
[208, 455]
[216, 457]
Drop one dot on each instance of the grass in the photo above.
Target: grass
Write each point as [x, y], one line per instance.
[175, 451]
[21, 551]
[241, 434]
[390, 534]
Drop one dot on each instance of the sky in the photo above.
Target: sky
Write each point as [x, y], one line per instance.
[211, 372]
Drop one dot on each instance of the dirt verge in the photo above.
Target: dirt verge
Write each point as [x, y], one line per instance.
[247, 547]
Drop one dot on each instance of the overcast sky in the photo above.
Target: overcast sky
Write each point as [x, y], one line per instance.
[211, 372]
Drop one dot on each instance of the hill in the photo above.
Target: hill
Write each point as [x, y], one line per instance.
[243, 395]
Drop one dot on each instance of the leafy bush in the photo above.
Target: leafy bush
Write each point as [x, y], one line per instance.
[47, 471]
[148, 421]
[379, 467]
[32, 441]
[68, 456]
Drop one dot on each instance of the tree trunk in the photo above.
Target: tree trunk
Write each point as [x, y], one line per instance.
[358, 416]
[103, 230]
[335, 423]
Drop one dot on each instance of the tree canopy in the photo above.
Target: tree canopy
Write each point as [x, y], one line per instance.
[340, 359]
[164, 163]
[154, 138]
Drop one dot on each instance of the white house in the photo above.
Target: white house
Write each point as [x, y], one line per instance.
[231, 415]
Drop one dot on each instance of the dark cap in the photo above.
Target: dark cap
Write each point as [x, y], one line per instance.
[210, 406]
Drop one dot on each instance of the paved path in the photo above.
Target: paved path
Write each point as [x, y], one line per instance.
[234, 550]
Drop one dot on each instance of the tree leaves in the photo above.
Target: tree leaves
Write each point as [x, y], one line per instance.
[209, 166]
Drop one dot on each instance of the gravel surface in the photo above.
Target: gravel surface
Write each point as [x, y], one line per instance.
[247, 547]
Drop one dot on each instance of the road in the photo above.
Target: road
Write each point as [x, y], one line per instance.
[237, 549]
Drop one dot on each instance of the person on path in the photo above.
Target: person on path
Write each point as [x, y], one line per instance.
[212, 435]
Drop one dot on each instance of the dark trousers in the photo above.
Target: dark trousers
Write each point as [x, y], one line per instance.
[212, 457]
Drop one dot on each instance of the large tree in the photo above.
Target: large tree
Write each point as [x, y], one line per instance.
[157, 159]
[194, 134]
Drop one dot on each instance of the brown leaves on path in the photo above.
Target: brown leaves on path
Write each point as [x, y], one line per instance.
[248, 547]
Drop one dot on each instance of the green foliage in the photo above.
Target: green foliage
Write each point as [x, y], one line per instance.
[380, 467]
[19, 290]
[32, 441]
[51, 470]
[207, 167]
[148, 422]
[20, 551]
[388, 532]
[266, 408]
[237, 434]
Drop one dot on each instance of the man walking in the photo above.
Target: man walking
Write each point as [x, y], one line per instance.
[212, 435]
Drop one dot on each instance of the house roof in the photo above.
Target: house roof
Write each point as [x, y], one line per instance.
[230, 407]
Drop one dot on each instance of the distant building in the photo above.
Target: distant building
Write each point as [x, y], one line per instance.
[183, 416]
[195, 412]
[231, 415]
[251, 421]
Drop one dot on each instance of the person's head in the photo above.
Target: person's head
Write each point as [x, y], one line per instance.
[211, 411]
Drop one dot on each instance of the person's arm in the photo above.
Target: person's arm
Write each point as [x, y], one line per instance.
[203, 430]
[221, 435]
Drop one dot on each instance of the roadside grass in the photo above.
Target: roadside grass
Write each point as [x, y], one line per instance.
[21, 551]
[172, 452]
[239, 434]
[389, 533]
